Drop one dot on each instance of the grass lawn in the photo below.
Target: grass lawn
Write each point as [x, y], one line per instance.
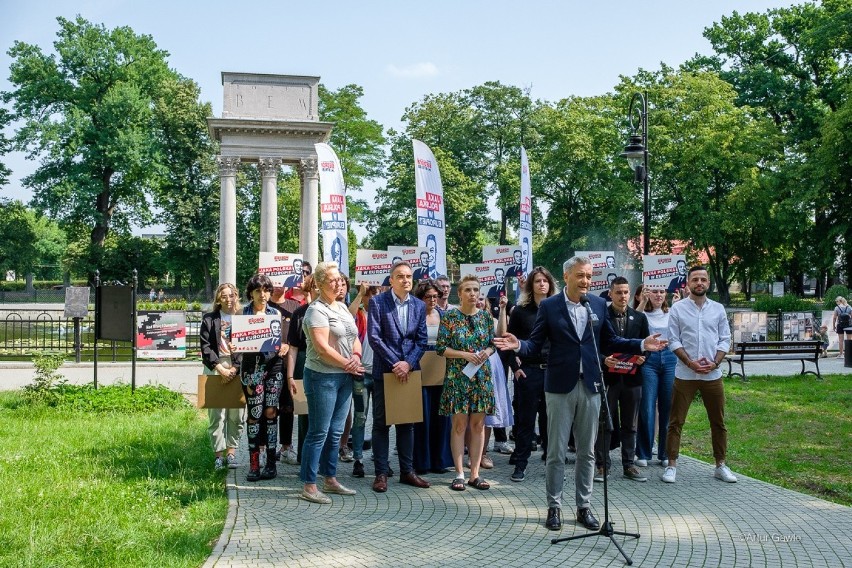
[795, 432]
[106, 488]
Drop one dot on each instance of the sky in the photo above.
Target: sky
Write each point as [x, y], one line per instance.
[397, 51]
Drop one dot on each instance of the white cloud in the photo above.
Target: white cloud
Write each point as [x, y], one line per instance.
[413, 71]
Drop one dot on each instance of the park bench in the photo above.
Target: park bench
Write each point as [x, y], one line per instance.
[750, 351]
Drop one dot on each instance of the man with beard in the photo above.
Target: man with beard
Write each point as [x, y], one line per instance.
[699, 336]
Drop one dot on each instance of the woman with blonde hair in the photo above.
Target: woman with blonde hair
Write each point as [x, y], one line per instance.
[333, 357]
[464, 338]
[842, 320]
[226, 425]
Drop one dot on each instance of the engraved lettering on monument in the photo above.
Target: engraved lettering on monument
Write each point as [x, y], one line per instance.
[274, 97]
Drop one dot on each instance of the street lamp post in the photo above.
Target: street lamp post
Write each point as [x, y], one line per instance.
[636, 153]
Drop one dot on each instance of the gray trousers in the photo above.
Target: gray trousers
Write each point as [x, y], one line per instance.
[225, 425]
[581, 409]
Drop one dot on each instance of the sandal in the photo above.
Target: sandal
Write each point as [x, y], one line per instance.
[457, 484]
[479, 483]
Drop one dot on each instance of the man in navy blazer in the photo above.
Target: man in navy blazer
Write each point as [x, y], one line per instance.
[396, 327]
[575, 323]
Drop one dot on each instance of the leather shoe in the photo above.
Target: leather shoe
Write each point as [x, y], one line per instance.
[587, 519]
[414, 480]
[380, 485]
[554, 518]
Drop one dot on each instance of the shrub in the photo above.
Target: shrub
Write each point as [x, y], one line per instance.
[46, 380]
[118, 398]
[786, 303]
[832, 293]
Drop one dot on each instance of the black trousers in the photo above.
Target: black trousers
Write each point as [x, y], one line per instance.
[529, 401]
[624, 409]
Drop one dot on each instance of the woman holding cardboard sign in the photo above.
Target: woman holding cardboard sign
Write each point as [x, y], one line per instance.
[333, 356]
[226, 424]
[464, 338]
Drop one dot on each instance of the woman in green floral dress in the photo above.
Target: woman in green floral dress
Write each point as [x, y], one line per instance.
[465, 337]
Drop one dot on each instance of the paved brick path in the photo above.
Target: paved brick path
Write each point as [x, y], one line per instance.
[699, 521]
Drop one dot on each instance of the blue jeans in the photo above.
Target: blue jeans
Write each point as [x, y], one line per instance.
[328, 397]
[658, 375]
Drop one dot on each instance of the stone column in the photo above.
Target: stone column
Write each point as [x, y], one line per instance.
[269, 203]
[309, 219]
[228, 218]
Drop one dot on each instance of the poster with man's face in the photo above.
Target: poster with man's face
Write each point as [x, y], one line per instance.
[283, 268]
[372, 267]
[603, 268]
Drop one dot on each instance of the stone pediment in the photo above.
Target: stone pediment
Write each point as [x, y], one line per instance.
[276, 97]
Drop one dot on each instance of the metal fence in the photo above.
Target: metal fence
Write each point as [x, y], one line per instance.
[50, 332]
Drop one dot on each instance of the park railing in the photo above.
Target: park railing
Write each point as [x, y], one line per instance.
[30, 332]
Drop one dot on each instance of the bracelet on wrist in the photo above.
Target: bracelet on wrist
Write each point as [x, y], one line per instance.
[356, 354]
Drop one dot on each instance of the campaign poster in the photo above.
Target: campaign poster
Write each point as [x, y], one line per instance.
[372, 267]
[417, 257]
[161, 335]
[666, 271]
[485, 273]
[748, 326]
[603, 268]
[525, 225]
[259, 333]
[506, 262]
[431, 227]
[797, 326]
[283, 268]
[335, 238]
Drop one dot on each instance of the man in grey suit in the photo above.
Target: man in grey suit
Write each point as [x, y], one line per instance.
[396, 327]
[576, 324]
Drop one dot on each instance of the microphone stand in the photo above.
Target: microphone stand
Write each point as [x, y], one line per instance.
[604, 422]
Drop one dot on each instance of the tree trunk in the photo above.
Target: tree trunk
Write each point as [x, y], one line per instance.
[208, 279]
[104, 210]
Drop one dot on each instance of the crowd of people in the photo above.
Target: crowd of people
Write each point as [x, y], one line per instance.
[562, 349]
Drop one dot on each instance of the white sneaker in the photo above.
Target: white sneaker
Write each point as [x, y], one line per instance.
[503, 447]
[289, 456]
[664, 463]
[669, 475]
[640, 463]
[724, 473]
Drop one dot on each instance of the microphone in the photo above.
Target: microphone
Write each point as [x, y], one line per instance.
[584, 301]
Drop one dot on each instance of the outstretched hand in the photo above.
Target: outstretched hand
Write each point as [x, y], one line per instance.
[507, 342]
[654, 343]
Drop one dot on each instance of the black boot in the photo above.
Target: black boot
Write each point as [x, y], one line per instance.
[254, 466]
[269, 470]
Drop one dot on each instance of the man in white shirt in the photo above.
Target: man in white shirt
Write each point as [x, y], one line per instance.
[699, 335]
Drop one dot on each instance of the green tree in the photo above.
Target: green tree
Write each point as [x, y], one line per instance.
[792, 64]
[591, 199]
[88, 114]
[709, 162]
[188, 192]
[5, 145]
[17, 235]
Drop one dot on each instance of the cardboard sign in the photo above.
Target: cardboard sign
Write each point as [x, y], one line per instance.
[403, 401]
[433, 369]
[259, 333]
[283, 268]
[212, 393]
[300, 401]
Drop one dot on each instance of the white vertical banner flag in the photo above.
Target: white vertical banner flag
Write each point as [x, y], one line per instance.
[525, 228]
[335, 238]
[431, 229]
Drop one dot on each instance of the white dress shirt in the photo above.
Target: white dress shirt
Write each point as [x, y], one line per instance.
[701, 331]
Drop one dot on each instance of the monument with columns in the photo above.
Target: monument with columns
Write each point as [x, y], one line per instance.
[271, 120]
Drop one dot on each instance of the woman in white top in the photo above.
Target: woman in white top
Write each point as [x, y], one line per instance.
[658, 375]
[333, 356]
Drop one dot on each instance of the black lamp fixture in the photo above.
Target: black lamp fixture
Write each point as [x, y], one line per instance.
[636, 153]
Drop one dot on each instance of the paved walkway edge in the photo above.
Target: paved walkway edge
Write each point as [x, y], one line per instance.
[230, 520]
